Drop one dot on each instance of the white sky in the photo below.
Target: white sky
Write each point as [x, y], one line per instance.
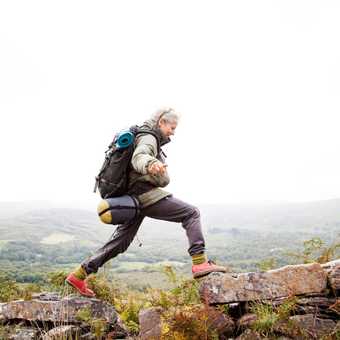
[257, 82]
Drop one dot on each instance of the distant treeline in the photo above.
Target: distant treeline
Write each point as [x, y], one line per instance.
[27, 261]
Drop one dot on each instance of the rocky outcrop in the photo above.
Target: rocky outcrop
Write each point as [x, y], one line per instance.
[286, 281]
[292, 302]
[151, 323]
[52, 308]
[59, 317]
[308, 295]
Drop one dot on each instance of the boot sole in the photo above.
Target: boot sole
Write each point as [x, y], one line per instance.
[71, 284]
[206, 272]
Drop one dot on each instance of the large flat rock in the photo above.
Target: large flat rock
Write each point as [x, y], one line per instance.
[282, 282]
[58, 310]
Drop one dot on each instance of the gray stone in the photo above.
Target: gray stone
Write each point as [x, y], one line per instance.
[223, 324]
[333, 271]
[318, 305]
[282, 282]
[87, 336]
[249, 335]
[62, 332]
[23, 333]
[61, 311]
[150, 323]
[1, 316]
[331, 265]
[51, 309]
[120, 330]
[46, 296]
[313, 326]
[246, 321]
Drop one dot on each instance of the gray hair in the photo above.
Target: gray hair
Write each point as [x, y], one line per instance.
[169, 115]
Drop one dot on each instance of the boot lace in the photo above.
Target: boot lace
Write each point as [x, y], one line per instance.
[211, 262]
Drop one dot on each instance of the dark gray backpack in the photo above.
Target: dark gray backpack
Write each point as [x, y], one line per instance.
[112, 179]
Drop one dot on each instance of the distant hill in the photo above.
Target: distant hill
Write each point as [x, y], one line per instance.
[310, 216]
[35, 221]
[36, 237]
[37, 224]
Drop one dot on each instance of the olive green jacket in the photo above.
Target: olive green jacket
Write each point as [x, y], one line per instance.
[147, 187]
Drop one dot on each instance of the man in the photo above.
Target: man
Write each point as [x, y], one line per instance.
[147, 176]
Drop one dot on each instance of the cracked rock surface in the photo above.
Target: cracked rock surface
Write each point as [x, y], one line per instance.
[282, 282]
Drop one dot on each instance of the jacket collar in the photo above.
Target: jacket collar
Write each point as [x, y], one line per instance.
[152, 124]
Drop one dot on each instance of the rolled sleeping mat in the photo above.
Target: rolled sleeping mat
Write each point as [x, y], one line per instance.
[118, 210]
[124, 139]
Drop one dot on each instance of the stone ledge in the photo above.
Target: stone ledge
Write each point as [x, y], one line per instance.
[283, 282]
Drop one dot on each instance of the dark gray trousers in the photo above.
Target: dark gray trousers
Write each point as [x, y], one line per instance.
[167, 209]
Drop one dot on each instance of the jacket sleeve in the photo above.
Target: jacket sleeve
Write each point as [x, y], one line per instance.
[145, 153]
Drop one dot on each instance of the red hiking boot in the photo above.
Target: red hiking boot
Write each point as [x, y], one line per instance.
[80, 285]
[206, 268]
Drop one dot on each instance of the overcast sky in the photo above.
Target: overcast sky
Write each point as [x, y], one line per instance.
[257, 83]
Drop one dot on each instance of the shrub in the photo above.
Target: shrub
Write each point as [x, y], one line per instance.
[266, 264]
[9, 289]
[269, 317]
[98, 326]
[127, 303]
[184, 292]
[103, 288]
[193, 322]
[266, 318]
[56, 279]
[315, 250]
[28, 290]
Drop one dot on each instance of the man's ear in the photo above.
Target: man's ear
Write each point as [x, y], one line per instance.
[161, 121]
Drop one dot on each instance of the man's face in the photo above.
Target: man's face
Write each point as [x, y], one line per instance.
[167, 129]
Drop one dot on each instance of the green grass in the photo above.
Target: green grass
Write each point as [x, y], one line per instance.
[130, 266]
[3, 242]
[269, 316]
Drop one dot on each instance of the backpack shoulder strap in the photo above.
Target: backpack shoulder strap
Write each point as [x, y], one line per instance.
[150, 132]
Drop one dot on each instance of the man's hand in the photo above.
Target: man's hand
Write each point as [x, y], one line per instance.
[157, 168]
